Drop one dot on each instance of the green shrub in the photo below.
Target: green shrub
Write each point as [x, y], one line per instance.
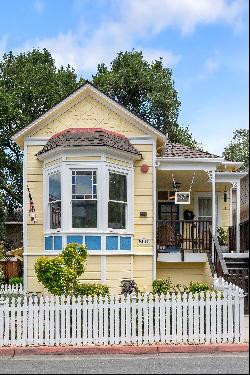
[198, 287]
[59, 275]
[15, 280]
[91, 290]
[166, 286]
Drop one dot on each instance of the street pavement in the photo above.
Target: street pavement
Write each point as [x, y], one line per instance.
[217, 363]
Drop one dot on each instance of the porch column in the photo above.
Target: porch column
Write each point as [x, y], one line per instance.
[231, 207]
[238, 217]
[213, 209]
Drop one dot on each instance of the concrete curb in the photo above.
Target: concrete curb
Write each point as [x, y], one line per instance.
[119, 349]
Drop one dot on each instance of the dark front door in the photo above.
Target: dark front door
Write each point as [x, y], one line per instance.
[168, 211]
[168, 226]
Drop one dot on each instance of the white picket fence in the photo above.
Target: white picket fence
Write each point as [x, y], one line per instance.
[11, 289]
[213, 317]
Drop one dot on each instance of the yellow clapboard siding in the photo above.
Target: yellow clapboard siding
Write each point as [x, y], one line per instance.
[184, 273]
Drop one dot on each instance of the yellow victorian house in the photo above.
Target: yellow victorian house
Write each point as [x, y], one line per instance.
[146, 208]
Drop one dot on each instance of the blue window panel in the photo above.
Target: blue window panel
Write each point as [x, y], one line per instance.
[49, 243]
[112, 242]
[125, 243]
[58, 243]
[74, 239]
[93, 242]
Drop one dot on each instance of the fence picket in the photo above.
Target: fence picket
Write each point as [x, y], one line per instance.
[84, 320]
[157, 316]
[117, 320]
[179, 318]
[201, 318]
[190, 318]
[196, 319]
[173, 316]
[208, 317]
[184, 317]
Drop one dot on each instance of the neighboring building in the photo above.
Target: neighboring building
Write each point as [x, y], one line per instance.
[14, 230]
[99, 175]
[244, 198]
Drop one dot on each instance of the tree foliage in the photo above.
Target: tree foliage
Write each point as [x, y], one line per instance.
[238, 149]
[147, 90]
[30, 84]
[59, 275]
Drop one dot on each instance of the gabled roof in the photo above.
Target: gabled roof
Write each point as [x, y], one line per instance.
[75, 97]
[88, 137]
[177, 150]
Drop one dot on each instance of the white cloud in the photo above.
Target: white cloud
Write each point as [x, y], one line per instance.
[38, 6]
[134, 20]
[152, 16]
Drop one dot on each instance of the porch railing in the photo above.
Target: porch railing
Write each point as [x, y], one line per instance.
[182, 235]
[244, 237]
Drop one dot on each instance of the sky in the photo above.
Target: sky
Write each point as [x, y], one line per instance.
[204, 42]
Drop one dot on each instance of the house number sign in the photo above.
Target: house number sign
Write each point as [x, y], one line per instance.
[143, 241]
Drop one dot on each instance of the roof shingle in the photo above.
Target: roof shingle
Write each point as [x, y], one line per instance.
[89, 137]
[175, 150]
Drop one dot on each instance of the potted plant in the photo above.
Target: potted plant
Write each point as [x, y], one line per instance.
[222, 237]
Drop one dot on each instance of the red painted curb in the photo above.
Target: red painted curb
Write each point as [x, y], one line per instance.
[126, 349]
[7, 352]
[203, 348]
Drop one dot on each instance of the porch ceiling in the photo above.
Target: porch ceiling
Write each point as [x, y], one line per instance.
[201, 181]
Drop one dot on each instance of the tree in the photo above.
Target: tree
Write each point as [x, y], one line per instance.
[30, 84]
[147, 90]
[59, 275]
[238, 149]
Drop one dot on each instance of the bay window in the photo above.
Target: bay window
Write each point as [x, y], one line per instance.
[84, 199]
[92, 198]
[55, 200]
[117, 205]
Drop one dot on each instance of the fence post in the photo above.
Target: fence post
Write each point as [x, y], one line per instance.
[242, 327]
[2, 304]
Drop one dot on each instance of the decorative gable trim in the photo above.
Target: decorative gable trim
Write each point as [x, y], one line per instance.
[76, 97]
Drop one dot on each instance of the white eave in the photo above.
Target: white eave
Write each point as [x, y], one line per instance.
[229, 176]
[179, 163]
[75, 98]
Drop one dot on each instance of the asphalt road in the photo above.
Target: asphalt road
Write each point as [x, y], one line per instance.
[223, 363]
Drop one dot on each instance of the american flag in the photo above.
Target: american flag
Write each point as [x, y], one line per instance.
[32, 211]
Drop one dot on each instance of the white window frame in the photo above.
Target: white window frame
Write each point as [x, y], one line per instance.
[124, 172]
[71, 199]
[47, 173]
[198, 195]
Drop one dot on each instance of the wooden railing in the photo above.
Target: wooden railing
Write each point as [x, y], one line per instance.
[182, 235]
[244, 237]
[220, 267]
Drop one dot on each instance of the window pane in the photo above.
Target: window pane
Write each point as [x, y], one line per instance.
[117, 187]
[55, 187]
[205, 207]
[55, 215]
[117, 215]
[83, 183]
[84, 214]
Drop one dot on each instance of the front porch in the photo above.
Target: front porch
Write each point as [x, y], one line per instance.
[193, 201]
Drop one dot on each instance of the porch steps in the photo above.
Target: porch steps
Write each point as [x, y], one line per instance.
[236, 262]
